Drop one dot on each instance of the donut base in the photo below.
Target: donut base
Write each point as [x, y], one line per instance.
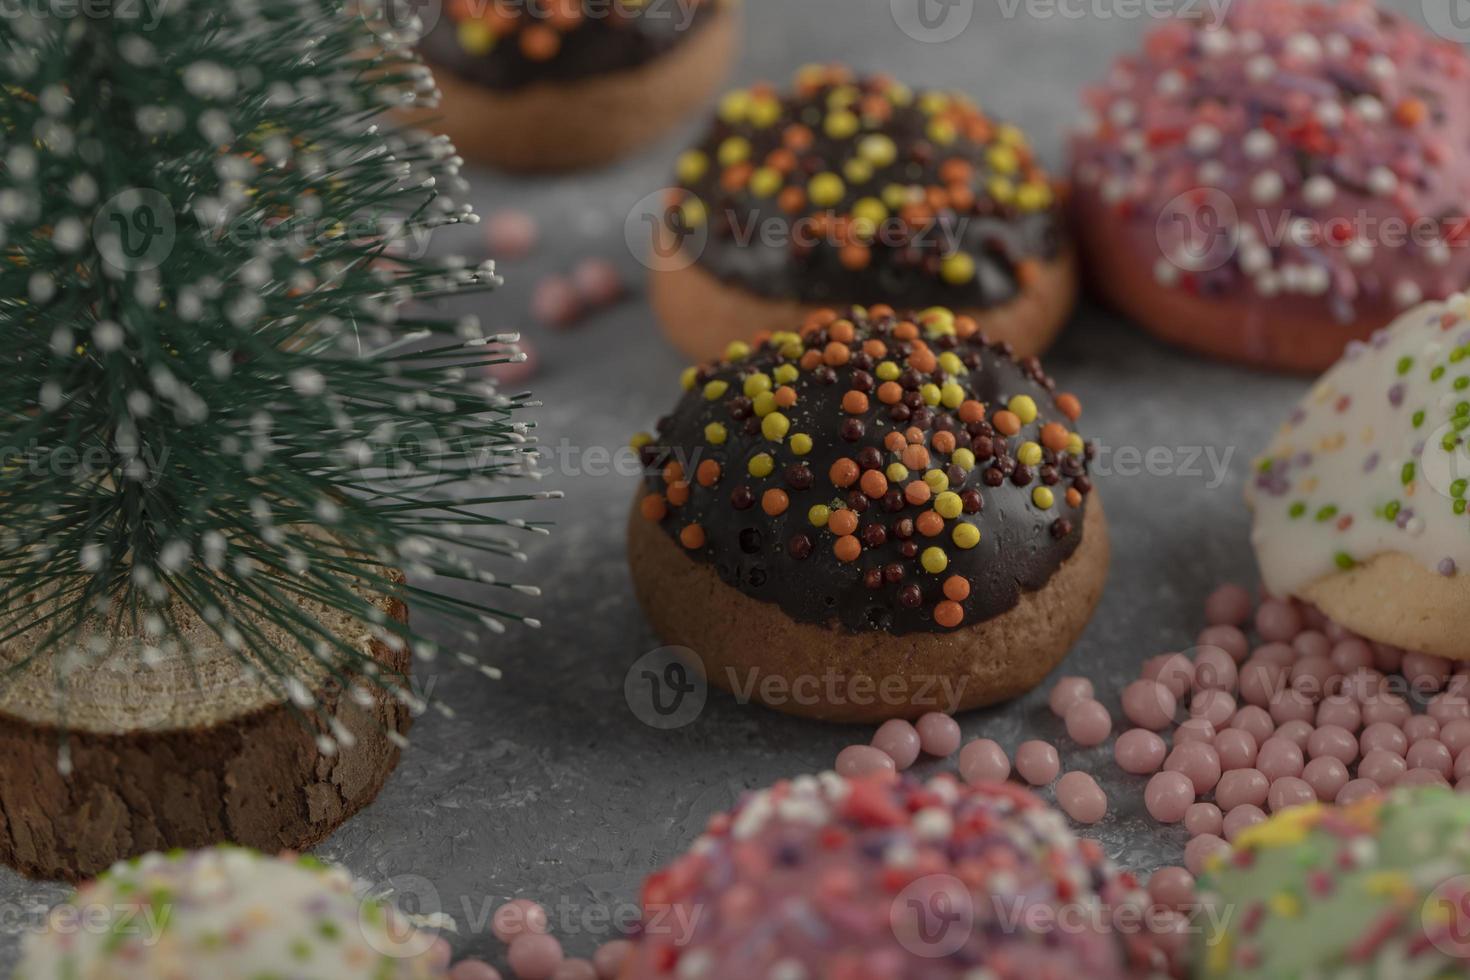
[701, 314]
[1392, 598]
[750, 647]
[591, 122]
[1289, 333]
[241, 766]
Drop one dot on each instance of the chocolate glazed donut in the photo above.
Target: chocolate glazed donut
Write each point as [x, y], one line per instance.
[881, 501]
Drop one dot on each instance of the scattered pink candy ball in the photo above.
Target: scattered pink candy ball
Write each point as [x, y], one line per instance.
[1237, 748]
[1462, 764]
[1424, 672]
[1310, 643]
[1080, 798]
[1384, 706]
[1173, 670]
[1199, 762]
[1255, 720]
[1278, 620]
[1449, 706]
[1068, 691]
[1260, 681]
[1037, 762]
[856, 761]
[610, 957]
[440, 953]
[1139, 752]
[1194, 730]
[473, 970]
[1088, 723]
[1423, 777]
[1228, 605]
[1340, 710]
[534, 956]
[1382, 735]
[554, 301]
[1200, 849]
[1295, 731]
[1172, 887]
[1431, 754]
[1216, 707]
[1333, 742]
[1279, 757]
[1384, 768]
[1150, 704]
[1239, 787]
[1455, 734]
[1313, 677]
[939, 734]
[1350, 655]
[984, 761]
[1290, 791]
[1292, 705]
[1421, 727]
[598, 282]
[519, 917]
[1167, 796]
[1243, 817]
[575, 969]
[1327, 776]
[1204, 818]
[1355, 790]
[899, 740]
[1214, 670]
[510, 234]
[1226, 638]
[1280, 654]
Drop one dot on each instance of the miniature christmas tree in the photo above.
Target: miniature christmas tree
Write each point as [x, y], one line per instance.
[223, 401]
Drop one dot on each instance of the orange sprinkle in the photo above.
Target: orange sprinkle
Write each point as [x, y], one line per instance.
[692, 536]
[653, 507]
[874, 483]
[916, 457]
[943, 442]
[774, 501]
[708, 473]
[965, 327]
[796, 137]
[956, 170]
[810, 359]
[914, 435]
[894, 442]
[923, 361]
[890, 393]
[916, 493]
[817, 319]
[957, 587]
[841, 330]
[1074, 497]
[847, 548]
[844, 473]
[842, 522]
[539, 42]
[1410, 112]
[785, 396]
[678, 493]
[949, 614]
[1070, 406]
[782, 160]
[791, 200]
[875, 348]
[736, 177]
[1006, 422]
[673, 471]
[879, 310]
[906, 330]
[855, 257]
[1054, 436]
[1028, 272]
[854, 403]
[971, 411]
[836, 354]
[961, 198]
[929, 523]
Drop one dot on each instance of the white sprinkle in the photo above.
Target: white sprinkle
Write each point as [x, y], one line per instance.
[1382, 181]
[1260, 68]
[1304, 47]
[1330, 114]
[1359, 252]
[1170, 82]
[1407, 293]
[1369, 109]
[1166, 273]
[1123, 112]
[1319, 191]
[1267, 187]
[108, 336]
[1204, 138]
[1259, 144]
[1255, 259]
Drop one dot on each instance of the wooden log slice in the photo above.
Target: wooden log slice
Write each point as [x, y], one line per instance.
[189, 752]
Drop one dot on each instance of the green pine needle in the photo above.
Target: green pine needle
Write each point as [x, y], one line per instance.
[212, 286]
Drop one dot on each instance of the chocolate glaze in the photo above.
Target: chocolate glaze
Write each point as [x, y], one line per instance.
[904, 268]
[612, 35]
[1021, 546]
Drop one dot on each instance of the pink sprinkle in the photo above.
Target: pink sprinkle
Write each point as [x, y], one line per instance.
[1342, 711]
[984, 761]
[856, 761]
[1296, 732]
[1150, 704]
[1080, 798]
[1067, 692]
[518, 917]
[1200, 849]
[1423, 777]
[1310, 643]
[1255, 720]
[534, 957]
[1216, 707]
[610, 957]
[939, 734]
[1292, 705]
[1350, 655]
[598, 282]
[1139, 752]
[1260, 681]
[575, 969]
[1243, 817]
[1037, 762]
[1203, 818]
[1455, 734]
[1230, 605]
[1420, 727]
[1431, 754]
[1088, 723]
[1167, 796]
[1424, 672]
[555, 302]
[473, 970]
[510, 234]
[1194, 730]
[899, 740]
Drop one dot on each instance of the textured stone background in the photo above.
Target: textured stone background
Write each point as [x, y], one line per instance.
[546, 784]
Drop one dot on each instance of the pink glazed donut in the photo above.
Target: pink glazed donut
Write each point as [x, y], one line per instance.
[1270, 186]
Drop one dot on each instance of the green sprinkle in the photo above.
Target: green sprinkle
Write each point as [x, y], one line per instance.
[1264, 466]
[1461, 423]
[1392, 510]
[1449, 442]
[1462, 383]
[1437, 373]
[1408, 474]
[1406, 364]
[1418, 418]
[1462, 409]
[1297, 509]
[1457, 355]
[1344, 560]
[1459, 506]
[1458, 488]
[1327, 513]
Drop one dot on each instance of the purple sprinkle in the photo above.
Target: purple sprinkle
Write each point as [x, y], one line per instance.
[1447, 567]
[1298, 415]
[1464, 338]
[1371, 463]
[1396, 395]
[1405, 515]
[1418, 449]
[1303, 459]
[1380, 338]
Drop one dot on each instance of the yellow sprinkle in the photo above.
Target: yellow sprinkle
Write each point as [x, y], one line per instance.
[1029, 453]
[687, 378]
[640, 439]
[841, 124]
[948, 505]
[900, 94]
[693, 212]
[950, 363]
[691, 165]
[1003, 160]
[937, 321]
[825, 190]
[775, 426]
[842, 95]
[930, 393]
[957, 269]
[1389, 884]
[475, 36]
[755, 384]
[871, 210]
[965, 536]
[761, 464]
[1042, 497]
[792, 350]
[715, 433]
[737, 350]
[801, 444]
[715, 390]
[951, 395]
[764, 404]
[818, 515]
[1286, 829]
[942, 131]
[1010, 134]
[963, 458]
[785, 374]
[934, 560]
[764, 112]
[857, 171]
[878, 150]
[937, 480]
[735, 149]
[1285, 904]
[1075, 446]
[765, 182]
[888, 371]
[1001, 189]
[1024, 407]
[1033, 197]
[734, 106]
[932, 102]
[896, 472]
